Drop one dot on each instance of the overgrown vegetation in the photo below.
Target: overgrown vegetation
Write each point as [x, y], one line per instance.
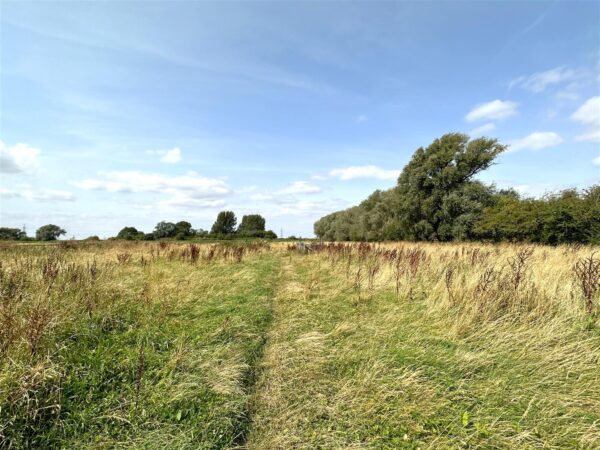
[436, 199]
[432, 346]
[130, 345]
[174, 345]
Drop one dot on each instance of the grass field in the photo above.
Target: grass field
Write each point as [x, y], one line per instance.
[164, 345]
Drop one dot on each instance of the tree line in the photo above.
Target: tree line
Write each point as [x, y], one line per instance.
[225, 227]
[437, 199]
[48, 232]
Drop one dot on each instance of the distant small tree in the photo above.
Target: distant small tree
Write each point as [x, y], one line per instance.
[92, 238]
[12, 234]
[49, 232]
[165, 230]
[183, 228]
[130, 234]
[252, 225]
[200, 232]
[270, 234]
[225, 223]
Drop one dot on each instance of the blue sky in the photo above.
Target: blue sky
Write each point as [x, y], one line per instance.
[118, 114]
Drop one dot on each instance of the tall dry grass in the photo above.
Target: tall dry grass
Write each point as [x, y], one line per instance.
[129, 344]
[414, 345]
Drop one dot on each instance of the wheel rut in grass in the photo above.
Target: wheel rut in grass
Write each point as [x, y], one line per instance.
[264, 378]
[256, 373]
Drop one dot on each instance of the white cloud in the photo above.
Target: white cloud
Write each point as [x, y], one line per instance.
[361, 118]
[287, 194]
[539, 81]
[596, 161]
[589, 114]
[261, 197]
[190, 185]
[300, 187]
[19, 158]
[308, 208]
[483, 129]
[590, 136]
[494, 110]
[185, 202]
[536, 141]
[41, 195]
[370, 171]
[289, 205]
[171, 156]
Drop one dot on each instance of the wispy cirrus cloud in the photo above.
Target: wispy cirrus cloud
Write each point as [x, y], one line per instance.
[494, 110]
[135, 181]
[369, 171]
[40, 195]
[540, 81]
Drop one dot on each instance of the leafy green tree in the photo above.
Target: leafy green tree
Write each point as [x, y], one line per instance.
[435, 197]
[270, 234]
[200, 232]
[252, 225]
[183, 228]
[225, 223]
[130, 234]
[564, 217]
[510, 219]
[165, 230]
[12, 234]
[49, 232]
[591, 214]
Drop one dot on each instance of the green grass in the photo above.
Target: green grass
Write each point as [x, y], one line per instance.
[383, 372]
[163, 361]
[283, 350]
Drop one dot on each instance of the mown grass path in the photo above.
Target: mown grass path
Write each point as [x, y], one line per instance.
[380, 372]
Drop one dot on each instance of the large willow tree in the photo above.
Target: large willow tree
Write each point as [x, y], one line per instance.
[435, 198]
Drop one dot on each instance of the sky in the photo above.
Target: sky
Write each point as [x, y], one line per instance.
[117, 114]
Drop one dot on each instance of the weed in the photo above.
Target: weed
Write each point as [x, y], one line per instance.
[587, 273]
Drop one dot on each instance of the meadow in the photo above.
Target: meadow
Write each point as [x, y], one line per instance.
[271, 346]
